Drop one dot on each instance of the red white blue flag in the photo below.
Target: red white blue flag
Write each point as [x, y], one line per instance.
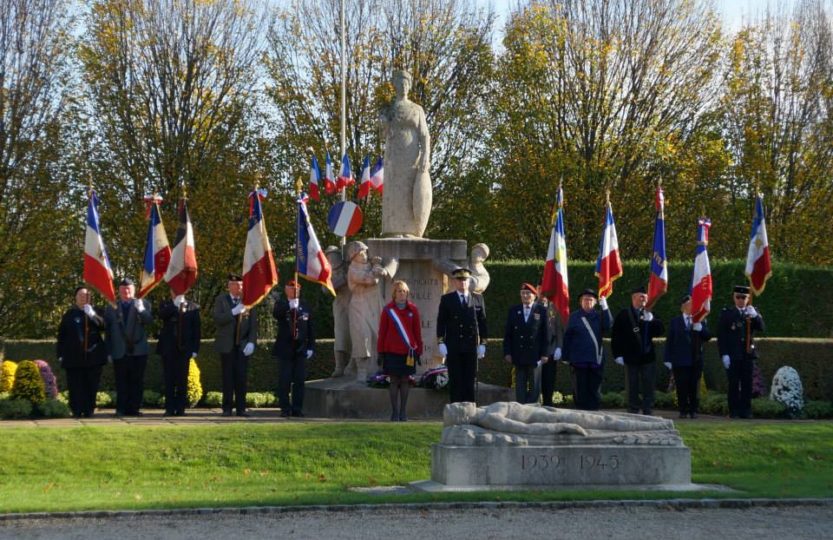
[701, 281]
[658, 282]
[182, 269]
[97, 271]
[345, 178]
[311, 263]
[608, 265]
[157, 250]
[377, 176]
[314, 179]
[259, 271]
[345, 218]
[329, 176]
[364, 183]
[758, 262]
[554, 284]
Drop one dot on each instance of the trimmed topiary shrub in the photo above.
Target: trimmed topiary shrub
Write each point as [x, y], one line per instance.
[28, 384]
[613, 400]
[151, 398]
[7, 371]
[15, 409]
[50, 383]
[665, 400]
[104, 399]
[213, 399]
[814, 410]
[767, 408]
[194, 384]
[52, 408]
[714, 403]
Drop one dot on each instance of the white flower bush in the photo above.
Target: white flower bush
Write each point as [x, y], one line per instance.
[787, 389]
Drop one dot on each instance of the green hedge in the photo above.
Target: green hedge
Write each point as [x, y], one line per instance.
[813, 358]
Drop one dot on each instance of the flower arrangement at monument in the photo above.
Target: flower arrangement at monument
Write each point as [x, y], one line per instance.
[788, 390]
[378, 380]
[7, 371]
[50, 383]
[28, 384]
[435, 378]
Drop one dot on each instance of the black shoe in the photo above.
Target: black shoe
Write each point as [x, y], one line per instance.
[683, 415]
[633, 411]
[648, 412]
[693, 415]
[403, 417]
[169, 413]
[119, 414]
[297, 414]
[226, 413]
[243, 414]
[394, 416]
[179, 413]
[286, 414]
[76, 416]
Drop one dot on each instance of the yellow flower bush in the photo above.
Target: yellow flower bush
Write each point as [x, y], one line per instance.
[194, 385]
[7, 371]
[28, 384]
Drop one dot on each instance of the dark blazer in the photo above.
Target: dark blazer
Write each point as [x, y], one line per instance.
[579, 348]
[731, 333]
[70, 346]
[679, 347]
[227, 333]
[526, 341]
[635, 346]
[127, 335]
[459, 326]
[286, 345]
[181, 329]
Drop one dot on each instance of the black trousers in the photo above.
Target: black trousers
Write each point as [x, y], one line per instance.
[82, 384]
[175, 368]
[462, 370]
[740, 387]
[639, 378]
[687, 380]
[291, 376]
[235, 370]
[588, 382]
[129, 373]
[526, 385]
[548, 382]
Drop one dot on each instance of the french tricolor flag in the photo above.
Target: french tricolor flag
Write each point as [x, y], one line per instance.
[608, 265]
[97, 271]
[364, 184]
[329, 176]
[554, 284]
[182, 269]
[758, 262]
[157, 250]
[377, 176]
[259, 271]
[311, 263]
[701, 281]
[345, 178]
[314, 179]
[658, 282]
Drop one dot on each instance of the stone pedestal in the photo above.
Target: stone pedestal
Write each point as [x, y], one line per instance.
[419, 259]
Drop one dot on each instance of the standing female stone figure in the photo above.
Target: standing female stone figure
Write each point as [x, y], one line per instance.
[406, 199]
[365, 307]
[341, 310]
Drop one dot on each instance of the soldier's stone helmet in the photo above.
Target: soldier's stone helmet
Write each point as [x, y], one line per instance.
[354, 248]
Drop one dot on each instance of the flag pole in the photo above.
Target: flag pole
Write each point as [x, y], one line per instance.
[343, 122]
[298, 187]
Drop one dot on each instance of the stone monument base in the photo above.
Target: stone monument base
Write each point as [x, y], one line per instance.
[513, 467]
[344, 397]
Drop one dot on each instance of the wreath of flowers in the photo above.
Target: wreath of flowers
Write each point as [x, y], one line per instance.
[788, 390]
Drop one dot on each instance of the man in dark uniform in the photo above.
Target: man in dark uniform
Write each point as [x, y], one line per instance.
[179, 341]
[556, 342]
[684, 355]
[235, 341]
[82, 352]
[293, 347]
[632, 341]
[526, 343]
[736, 344]
[461, 335]
[127, 345]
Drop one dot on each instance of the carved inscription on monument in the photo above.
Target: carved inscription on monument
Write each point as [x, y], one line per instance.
[540, 462]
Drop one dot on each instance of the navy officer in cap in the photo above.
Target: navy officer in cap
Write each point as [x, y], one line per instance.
[526, 344]
[127, 347]
[584, 351]
[735, 341]
[293, 347]
[684, 356]
[632, 341]
[461, 335]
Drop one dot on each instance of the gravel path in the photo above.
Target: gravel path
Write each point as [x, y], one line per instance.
[661, 522]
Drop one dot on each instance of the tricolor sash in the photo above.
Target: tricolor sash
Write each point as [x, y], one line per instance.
[403, 333]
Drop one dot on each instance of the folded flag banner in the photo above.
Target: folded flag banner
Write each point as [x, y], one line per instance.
[608, 265]
[377, 176]
[554, 284]
[701, 281]
[758, 262]
[97, 271]
[345, 178]
[345, 218]
[314, 179]
[182, 269]
[259, 271]
[157, 250]
[329, 176]
[364, 183]
[658, 282]
[311, 263]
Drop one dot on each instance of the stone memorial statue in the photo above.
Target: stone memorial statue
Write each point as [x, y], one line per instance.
[479, 274]
[406, 199]
[341, 309]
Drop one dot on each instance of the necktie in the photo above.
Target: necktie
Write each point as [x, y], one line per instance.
[463, 299]
[526, 313]
[687, 323]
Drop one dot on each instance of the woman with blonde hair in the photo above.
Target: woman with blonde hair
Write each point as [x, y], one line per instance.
[399, 346]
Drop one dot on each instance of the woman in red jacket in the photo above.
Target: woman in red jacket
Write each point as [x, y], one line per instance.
[399, 345]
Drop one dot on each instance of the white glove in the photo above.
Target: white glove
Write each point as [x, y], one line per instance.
[140, 306]
[751, 312]
[60, 360]
[481, 351]
[647, 316]
[194, 355]
[603, 303]
[557, 354]
[293, 304]
[697, 326]
[110, 358]
[179, 299]
[619, 360]
[248, 349]
[667, 365]
[238, 309]
[443, 350]
[309, 354]
[88, 309]
[726, 361]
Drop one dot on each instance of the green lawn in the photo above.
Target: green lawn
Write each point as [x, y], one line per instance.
[312, 463]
